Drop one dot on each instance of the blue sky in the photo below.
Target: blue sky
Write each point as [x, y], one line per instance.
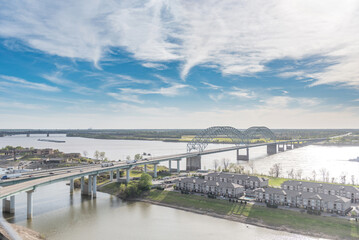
[179, 64]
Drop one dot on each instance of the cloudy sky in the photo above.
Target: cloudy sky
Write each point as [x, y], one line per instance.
[179, 64]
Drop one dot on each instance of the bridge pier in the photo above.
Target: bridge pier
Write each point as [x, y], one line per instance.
[155, 170]
[127, 175]
[272, 149]
[243, 157]
[71, 185]
[83, 185]
[94, 185]
[28, 135]
[118, 175]
[289, 146]
[8, 206]
[89, 186]
[193, 163]
[281, 147]
[48, 134]
[29, 204]
[111, 176]
[169, 166]
[178, 166]
[145, 168]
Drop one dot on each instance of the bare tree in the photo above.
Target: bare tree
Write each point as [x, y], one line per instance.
[216, 164]
[276, 170]
[85, 153]
[314, 174]
[232, 167]
[333, 179]
[102, 155]
[343, 177]
[323, 172]
[251, 165]
[327, 177]
[225, 162]
[299, 173]
[128, 157]
[353, 179]
[290, 173]
[96, 155]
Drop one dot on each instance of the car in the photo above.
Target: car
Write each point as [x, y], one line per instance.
[68, 171]
[81, 170]
[30, 175]
[51, 173]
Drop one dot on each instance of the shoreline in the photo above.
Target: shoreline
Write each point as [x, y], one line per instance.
[240, 219]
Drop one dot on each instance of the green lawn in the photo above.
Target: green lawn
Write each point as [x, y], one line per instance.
[272, 217]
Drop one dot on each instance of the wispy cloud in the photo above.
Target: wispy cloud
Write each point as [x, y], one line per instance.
[126, 97]
[220, 34]
[171, 91]
[10, 81]
[211, 86]
[158, 66]
[242, 93]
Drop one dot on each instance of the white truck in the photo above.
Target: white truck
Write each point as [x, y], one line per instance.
[106, 164]
[9, 176]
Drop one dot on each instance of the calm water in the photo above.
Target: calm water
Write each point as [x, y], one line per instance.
[334, 159]
[59, 215]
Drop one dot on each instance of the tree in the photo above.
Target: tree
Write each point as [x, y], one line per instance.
[251, 165]
[353, 179]
[290, 173]
[314, 174]
[276, 170]
[343, 177]
[225, 162]
[138, 157]
[323, 172]
[145, 182]
[102, 155]
[299, 173]
[216, 164]
[85, 153]
[128, 157]
[96, 155]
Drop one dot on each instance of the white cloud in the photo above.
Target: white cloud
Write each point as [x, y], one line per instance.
[21, 105]
[125, 97]
[173, 90]
[237, 37]
[10, 81]
[211, 86]
[158, 66]
[242, 93]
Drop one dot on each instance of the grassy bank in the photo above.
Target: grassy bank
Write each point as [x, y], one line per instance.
[274, 218]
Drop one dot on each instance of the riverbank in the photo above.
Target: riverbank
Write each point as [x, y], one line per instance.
[277, 219]
[24, 233]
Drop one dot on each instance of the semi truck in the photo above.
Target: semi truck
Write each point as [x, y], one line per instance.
[9, 176]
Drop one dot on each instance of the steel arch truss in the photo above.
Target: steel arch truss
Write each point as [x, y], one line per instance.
[259, 132]
[209, 135]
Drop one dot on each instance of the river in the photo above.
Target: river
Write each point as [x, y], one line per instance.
[59, 215]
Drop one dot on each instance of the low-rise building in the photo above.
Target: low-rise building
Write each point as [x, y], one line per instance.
[308, 200]
[325, 188]
[247, 181]
[200, 185]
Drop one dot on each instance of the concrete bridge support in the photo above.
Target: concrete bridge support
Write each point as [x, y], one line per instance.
[289, 146]
[94, 185]
[145, 168]
[272, 149]
[82, 185]
[48, 134]
[243, 157]
[169, 166]
[71, 185]
[8, 206]
[178, 165]
[29, 204]
[89, 186]
[111, 176]
[193, 163]
[155, 170]
[127, 175]
[281, 147]
[118, 175]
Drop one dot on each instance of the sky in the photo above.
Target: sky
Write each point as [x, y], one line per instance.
[179, 64]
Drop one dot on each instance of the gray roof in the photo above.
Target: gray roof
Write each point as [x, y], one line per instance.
[327, 186]
[237, 176]
[312, 195]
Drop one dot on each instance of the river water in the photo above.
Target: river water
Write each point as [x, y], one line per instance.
[59, 215]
